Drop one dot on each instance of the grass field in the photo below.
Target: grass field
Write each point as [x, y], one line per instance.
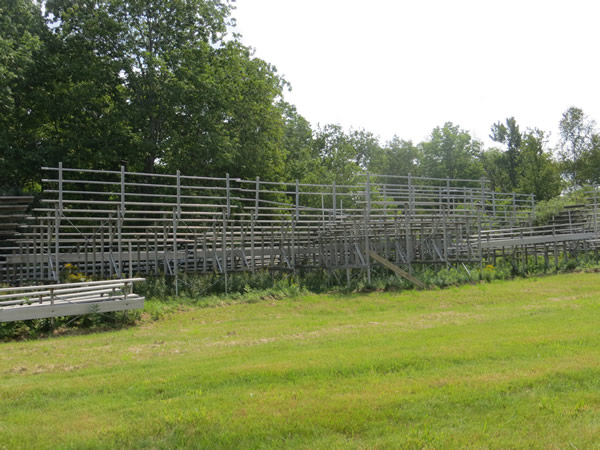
[504, 365]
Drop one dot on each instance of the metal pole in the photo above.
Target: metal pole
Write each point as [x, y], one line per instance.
[175, 259]
[178, 195]
[334, 198]
[56, 243]
[367, 220]
[253, 223]
[224, 250]
[60, 187]
[595, 211]
[228, 195]
[120, 222]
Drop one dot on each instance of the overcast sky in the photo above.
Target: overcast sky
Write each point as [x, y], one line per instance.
[403, 67]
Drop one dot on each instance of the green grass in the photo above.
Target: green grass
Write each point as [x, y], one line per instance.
[503, 365]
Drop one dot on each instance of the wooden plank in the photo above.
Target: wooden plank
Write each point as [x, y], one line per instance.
[397, 270]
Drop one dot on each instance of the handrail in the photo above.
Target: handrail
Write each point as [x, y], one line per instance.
[64, 285]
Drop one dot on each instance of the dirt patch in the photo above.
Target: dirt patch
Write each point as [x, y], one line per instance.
[421, 322]
[43, 368]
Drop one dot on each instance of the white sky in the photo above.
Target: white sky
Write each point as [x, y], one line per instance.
[403, 67]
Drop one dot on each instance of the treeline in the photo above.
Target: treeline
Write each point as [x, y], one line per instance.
[164, 85]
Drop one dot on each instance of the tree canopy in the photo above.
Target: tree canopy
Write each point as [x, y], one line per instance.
[165, 85]
[156, 85]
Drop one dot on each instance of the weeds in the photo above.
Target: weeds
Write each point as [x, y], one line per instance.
[246, 287]
[40, 328]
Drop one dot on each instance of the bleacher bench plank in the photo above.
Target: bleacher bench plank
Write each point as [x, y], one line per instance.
[38, 302]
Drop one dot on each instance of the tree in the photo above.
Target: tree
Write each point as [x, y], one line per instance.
[145, 48]
[398, 157]
[337, 156]
[298, 144]
[22, 52]
[579, 147]
[21, 25]
[230, 120]
[509, 135]
[540, 175]
[365, 144]
[155, 85]
[494, 162]
[451, 153]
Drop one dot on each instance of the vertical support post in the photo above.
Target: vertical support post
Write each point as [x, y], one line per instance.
[103, 261]
[346, 256]
[228, 194]
[232, 248]
[595, 211]
[175, 259]
[50, 274]
[408, 225]
[334, 199]
[131, 261]
[294, 225]
[57, 218]
[367, 221]
[410, 194]
[60, 187]
[493, 205]
[176, 219]
[479, 226]
[479, 252]
[323, 211]
[298, 200]
[482, 199]
[120, 223]
[445, 233]
[56, 243]
[253, 224]
[532, 209]
[224, 245]
[448, 199]
[385, 201]
[178, 194]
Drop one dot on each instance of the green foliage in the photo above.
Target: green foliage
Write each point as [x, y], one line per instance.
[164, 86]
[42, 328]
[153, 85]
[210, 289]
[509, 135]
[397, 157]
[579, 148]
[298, 144]
[451, 153]
[494, 163]
[538, 174]
[526, 166]
[337, 155]
[246, 287]
[23, 46]
[546, 209]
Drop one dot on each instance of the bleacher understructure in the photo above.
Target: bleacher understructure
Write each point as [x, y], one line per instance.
[120, 224]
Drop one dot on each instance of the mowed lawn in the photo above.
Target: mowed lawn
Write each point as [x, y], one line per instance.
[507, 364]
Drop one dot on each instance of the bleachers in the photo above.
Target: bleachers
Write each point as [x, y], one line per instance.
[69, 299]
